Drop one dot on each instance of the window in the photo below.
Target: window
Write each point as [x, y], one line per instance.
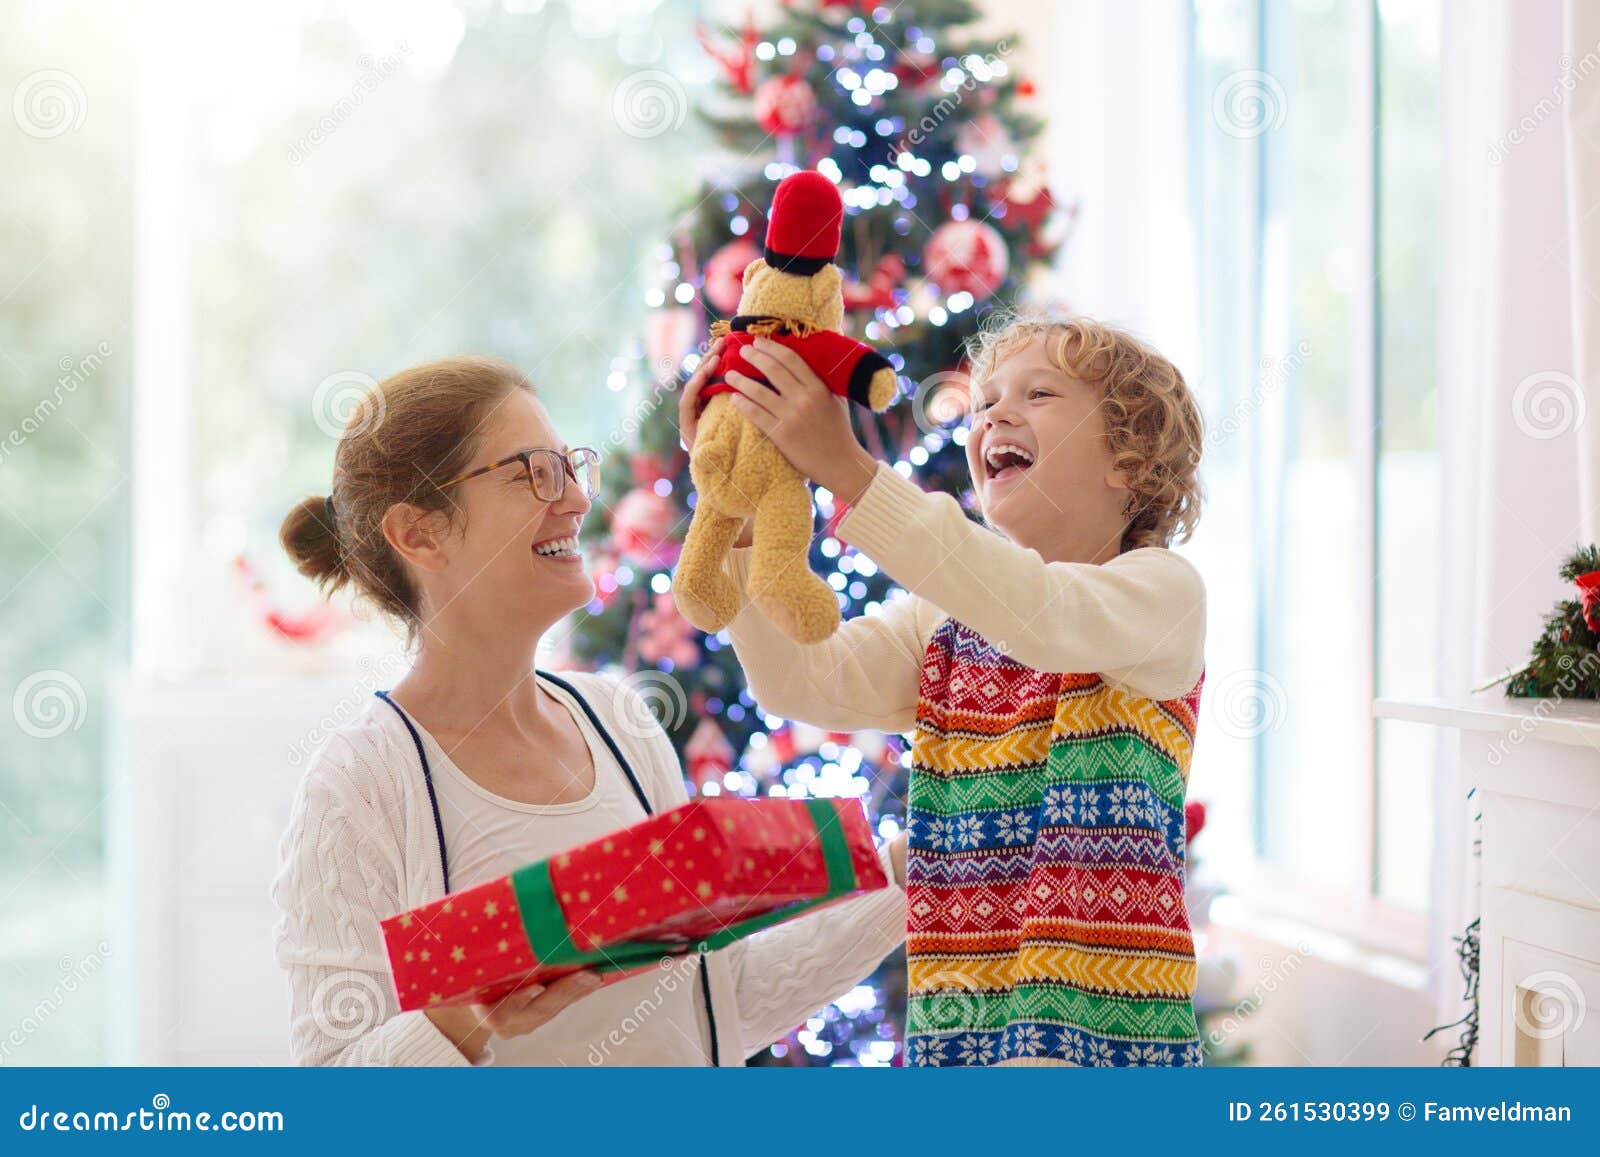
[1314, 164]
[66, 366]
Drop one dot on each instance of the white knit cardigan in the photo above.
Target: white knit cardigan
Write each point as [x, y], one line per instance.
[361, 846]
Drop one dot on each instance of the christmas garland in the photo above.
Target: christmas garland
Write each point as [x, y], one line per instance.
[1566, 657]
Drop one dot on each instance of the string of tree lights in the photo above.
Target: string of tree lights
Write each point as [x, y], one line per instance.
[925, 130]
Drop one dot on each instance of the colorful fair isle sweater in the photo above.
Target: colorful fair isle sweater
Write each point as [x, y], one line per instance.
[1045, 872]
[1054, 710]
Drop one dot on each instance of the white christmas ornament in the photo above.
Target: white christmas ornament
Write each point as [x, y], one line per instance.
[966, 257]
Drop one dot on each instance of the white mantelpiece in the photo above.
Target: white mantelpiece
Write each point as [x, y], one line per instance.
[1536, 767]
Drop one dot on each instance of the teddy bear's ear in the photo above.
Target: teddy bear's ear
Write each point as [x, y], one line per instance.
[753, 270]
[827, 297]
[825, 283]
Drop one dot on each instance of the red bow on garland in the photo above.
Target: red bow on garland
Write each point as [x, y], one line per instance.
[738, 63]
[1589, 594]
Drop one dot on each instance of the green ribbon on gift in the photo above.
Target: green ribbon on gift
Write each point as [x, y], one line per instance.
[550, 939]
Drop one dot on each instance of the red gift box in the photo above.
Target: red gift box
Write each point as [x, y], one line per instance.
[692, 879]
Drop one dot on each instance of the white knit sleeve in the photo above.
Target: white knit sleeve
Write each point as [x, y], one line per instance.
[1139, 619]
[863, 677]
[786, 973]
[338, 875]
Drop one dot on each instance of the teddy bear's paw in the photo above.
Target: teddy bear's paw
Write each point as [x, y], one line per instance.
[807, 612]
[881, 389]
[707, 610]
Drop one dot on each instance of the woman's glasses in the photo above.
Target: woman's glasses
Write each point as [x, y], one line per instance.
[548, 471]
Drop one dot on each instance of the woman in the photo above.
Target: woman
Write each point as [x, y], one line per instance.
[456, 508]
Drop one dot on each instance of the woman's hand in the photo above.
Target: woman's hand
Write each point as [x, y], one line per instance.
[808, 423]
[469, 1027]
[689, 401]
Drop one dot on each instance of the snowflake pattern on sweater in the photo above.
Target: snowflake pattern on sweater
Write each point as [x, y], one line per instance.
[1045, 898]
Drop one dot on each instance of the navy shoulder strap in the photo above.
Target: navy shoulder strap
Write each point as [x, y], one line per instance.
[427, 778]
[611, 744]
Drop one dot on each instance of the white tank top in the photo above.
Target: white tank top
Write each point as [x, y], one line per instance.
[655, 1018]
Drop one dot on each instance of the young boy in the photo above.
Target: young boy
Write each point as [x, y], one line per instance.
[1052, 674]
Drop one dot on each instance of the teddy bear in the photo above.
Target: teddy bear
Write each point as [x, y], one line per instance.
[794, 294]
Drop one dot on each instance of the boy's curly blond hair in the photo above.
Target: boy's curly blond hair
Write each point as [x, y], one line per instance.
[1150, 415]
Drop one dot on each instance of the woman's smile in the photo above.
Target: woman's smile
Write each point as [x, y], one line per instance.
[562, 548]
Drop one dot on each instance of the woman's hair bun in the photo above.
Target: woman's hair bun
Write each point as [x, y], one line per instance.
[312, 542]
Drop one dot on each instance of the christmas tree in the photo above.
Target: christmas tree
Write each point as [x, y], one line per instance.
[922, 129]
[1566, 655]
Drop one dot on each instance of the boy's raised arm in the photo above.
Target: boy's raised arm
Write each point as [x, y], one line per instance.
[864, 677]
[1138, 620]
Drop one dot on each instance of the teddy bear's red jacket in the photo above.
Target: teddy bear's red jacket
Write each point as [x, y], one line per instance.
[845, 365]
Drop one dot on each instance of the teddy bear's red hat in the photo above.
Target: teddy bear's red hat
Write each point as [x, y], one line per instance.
[804, 226]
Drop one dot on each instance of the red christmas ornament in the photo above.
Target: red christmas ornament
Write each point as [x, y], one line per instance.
[647, 469]
[1032, 209]
[665, 634]
[988, 142]
[642, 528]
[966, 257]
[1194, 818]
[604, 573]
[916, 68]
[725, 273]
[708, 753]
[1589, 595]
[785, 105]
[783, 745]
[669, 334]
[877, 292]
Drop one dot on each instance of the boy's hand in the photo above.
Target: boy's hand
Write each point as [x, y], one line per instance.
[808, 423]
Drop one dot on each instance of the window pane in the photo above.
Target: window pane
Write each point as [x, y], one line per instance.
[1409, 499]
[1238, 395]
[1315, 766]
[66, 362]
